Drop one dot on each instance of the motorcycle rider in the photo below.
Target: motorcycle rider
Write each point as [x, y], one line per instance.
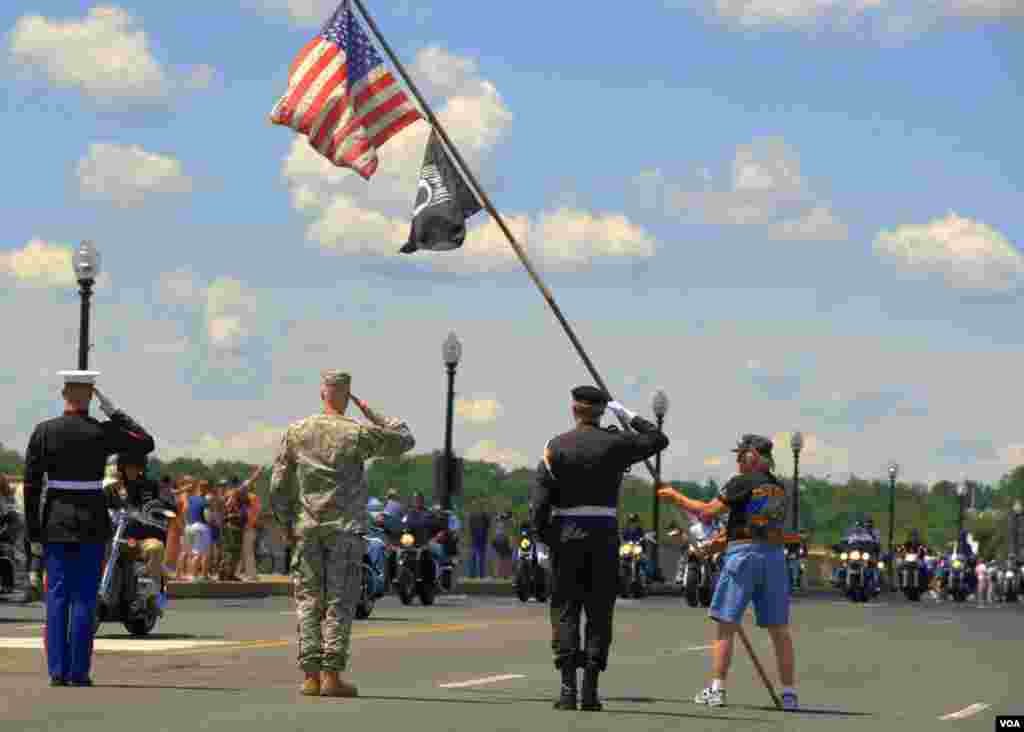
[634, 534]
[142, 494]
[427, 527]
[12, 533]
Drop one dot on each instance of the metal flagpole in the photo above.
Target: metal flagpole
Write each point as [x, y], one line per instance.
[489, 207]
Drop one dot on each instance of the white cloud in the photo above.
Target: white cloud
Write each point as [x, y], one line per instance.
[180, 287]
[351, 217]
[127, 174]
[853, 16]
[765, 187]
[309, 13]
[967, 253]
[478, 411]
[818, 224]
[488, 451]
[106, 55]
[40, 263]
[257, 443]
[229, 307]
[816, 455]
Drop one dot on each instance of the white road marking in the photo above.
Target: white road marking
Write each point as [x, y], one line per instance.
[480, 682]
[966, 712]
[119, 645]
[700, 648]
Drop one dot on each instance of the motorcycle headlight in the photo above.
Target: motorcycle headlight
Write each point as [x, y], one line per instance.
[637, 550]
[881, 565]
[625, 550]
[910, 558]
[867, 555]
[407, 540]
[957, 564]
[855, 556]
[1008, 575]
[843, 556]
[524, 544]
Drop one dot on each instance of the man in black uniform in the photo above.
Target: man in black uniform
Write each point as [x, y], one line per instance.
[576, 513]
[73, 528]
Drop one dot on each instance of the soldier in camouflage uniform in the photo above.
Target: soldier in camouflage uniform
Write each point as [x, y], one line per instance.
[318, 495]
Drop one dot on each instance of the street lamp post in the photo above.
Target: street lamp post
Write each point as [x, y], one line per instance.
[1018, 509]
[86, 262]
[797, 443]
[451, 350]
[894, 469]
[659, 405]
[961, 491]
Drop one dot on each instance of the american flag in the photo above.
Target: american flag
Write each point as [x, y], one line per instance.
[342, 97]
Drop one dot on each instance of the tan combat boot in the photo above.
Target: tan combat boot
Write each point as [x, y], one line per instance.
[311, 686]
[331, 685]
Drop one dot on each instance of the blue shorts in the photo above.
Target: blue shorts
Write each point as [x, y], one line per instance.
[752, 572]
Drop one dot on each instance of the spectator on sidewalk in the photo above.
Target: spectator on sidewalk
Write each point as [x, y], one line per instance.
[197, 532]
[215, 514]
[502, 547]
[479, 529]
[251, 519]
[242, 514]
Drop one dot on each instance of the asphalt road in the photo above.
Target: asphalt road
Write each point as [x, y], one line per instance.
[229, 666]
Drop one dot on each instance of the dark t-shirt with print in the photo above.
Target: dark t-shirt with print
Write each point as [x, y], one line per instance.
[737, 494]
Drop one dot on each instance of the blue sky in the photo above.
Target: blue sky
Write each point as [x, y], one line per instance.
[790, 215]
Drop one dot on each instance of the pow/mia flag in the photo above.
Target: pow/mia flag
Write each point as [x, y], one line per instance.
[443, 203]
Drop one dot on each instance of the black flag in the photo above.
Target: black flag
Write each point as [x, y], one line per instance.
[443, 203]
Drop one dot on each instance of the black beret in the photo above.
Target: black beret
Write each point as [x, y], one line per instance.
[590, 395]
[754, 442]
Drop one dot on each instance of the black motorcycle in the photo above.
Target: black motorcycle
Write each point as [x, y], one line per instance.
[913, 577]
[859, 572]
[959, 578]
[420, 574]
[700, 568]
[633, 579]
[531, 574]
[1009, 587]
[126, 593]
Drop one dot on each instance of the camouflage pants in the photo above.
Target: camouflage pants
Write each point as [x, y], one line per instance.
[231, 541]
[326, 576]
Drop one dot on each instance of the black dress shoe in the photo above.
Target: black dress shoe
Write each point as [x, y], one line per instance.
[81, 682]
[57, 681]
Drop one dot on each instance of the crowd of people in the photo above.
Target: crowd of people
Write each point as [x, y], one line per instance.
[217, 530]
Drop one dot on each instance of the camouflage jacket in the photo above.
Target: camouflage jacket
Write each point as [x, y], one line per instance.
[319, 478]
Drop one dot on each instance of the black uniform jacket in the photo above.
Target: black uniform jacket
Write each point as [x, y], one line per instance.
[585, 468]
[75, 447]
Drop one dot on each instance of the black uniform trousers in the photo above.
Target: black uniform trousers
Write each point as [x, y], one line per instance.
[585, 572]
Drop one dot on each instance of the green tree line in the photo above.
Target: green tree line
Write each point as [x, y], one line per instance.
[827, 508]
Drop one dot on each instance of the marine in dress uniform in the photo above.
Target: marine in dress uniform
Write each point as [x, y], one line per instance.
[576, 511]
[70, 533]
[318, 494]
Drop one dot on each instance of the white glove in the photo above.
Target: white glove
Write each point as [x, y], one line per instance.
[106, 405]
[621, 411]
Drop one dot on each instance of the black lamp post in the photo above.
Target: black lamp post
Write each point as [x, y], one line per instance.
[452, 352]
[87, 266]
[1018, 509]
[797, 443]
[659, 405]
[893, 470]
[961, 491]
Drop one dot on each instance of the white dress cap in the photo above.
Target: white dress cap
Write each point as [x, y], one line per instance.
[79, 377]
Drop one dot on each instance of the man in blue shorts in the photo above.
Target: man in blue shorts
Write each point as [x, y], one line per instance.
[754, 564]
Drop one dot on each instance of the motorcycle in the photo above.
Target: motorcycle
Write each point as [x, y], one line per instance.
[10, 532]
[796, 553]
[701, 567]
[126, 593]
[532, 570]
[859, 574]
[1009, 586]
[419, 573]
[958, 579]
[913, 576]
[633, 579]
[373, 584]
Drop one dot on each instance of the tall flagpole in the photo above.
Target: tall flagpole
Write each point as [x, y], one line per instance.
[489, 207]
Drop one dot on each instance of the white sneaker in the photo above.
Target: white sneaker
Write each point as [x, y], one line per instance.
[710, 697]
